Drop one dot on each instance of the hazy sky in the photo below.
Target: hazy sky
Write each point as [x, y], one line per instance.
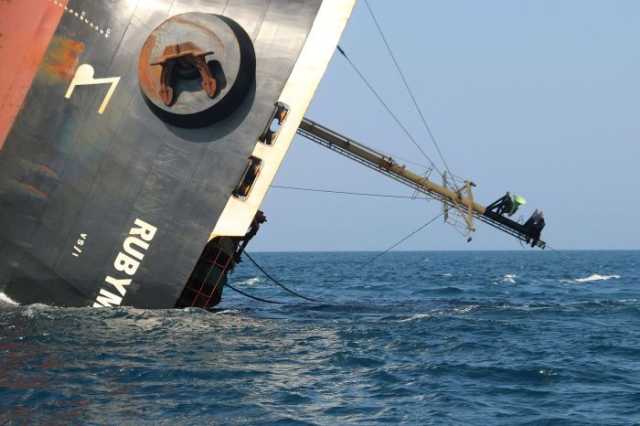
[537, 97]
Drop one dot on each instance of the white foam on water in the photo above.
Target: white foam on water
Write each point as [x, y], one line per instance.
[29, 312]
[251, 281]
[6, 299]
[416, 317]
[228, 312]
[597, 277]
[509, 278]
[466, 309]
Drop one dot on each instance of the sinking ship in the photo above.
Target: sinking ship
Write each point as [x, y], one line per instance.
[138, 140]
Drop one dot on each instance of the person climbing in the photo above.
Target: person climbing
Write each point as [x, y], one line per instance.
[258, 220]
[509, 204]
[534, 226]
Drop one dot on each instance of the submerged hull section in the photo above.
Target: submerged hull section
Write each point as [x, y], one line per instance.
[110, 188]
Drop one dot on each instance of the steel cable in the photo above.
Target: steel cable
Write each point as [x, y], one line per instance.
[387, 108]
[379, 255]
[407, 86]
[278, 283]
[358, 194]
[259, 299]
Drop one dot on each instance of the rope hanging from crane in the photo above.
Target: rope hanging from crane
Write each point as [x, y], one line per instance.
[309, 299]
[426, 225]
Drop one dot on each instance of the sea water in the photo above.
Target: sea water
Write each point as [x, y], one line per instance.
[414, 338]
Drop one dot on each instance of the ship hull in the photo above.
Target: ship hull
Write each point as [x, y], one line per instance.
[109, 197]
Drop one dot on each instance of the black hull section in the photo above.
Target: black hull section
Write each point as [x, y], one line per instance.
[116, 207]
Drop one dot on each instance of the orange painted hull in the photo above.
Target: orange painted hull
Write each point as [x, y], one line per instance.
[26, 29]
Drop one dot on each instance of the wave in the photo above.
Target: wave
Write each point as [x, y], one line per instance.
[227, 312]
[509, 278]
[445, 291]
[436, 313]
[597, 277]
[466, 309]
[7, 300]
[250, 281]
[416, 317]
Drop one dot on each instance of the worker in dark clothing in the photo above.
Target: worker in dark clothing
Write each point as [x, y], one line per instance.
[534, 226]
[258, 220]
[509, 204]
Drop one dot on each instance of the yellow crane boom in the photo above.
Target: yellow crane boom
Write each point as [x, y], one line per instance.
[461, 200]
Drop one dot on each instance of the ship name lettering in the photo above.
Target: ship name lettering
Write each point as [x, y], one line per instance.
[127, 261]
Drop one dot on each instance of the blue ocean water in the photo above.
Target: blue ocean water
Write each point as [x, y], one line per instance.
[415, 338]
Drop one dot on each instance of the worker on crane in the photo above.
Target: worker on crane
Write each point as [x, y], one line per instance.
[509, 204]
[534, 226]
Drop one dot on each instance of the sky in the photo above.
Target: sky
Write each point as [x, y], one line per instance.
[536, 97]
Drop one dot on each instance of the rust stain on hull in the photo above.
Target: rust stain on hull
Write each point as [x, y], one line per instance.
[62, 59]
[27, 27]
[149, 76]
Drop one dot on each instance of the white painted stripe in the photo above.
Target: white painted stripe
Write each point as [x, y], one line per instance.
[297, 94]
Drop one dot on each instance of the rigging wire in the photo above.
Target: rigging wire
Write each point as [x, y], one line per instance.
[379, 255]
[256, 298]
[359, 194]
[278, 283]
[387, 108]
[397, 157]
[407, 86]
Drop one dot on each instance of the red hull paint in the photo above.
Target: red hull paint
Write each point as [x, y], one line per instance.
[26, 29]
